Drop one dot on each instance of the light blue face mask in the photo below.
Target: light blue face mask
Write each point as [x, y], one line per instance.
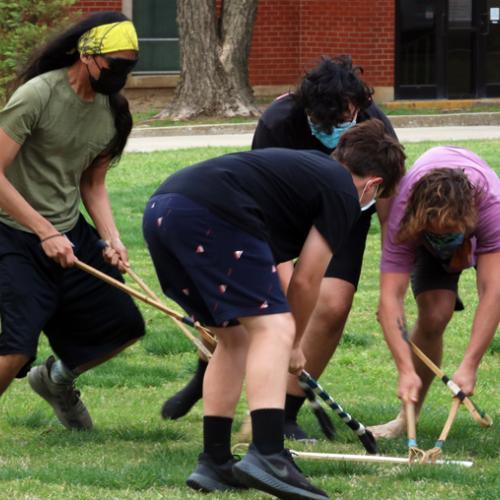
[330, 140]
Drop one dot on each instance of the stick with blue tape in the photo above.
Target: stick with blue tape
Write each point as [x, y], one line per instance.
[433, 454]
[414, 453]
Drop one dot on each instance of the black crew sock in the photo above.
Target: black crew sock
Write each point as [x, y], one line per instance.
[181, 402]
[217, 438]
[267, 429]
[292, 406]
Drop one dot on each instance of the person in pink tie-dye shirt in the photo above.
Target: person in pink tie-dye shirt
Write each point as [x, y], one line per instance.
[445, 218]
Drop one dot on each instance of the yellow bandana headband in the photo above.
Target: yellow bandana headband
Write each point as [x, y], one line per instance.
[109, 38]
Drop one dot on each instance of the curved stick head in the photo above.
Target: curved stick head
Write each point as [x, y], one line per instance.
[486, 421]
[368, 441]
[430, 456]
[416, 455]
[480, 416]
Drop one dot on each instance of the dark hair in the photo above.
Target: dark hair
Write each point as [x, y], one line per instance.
[326, 91]
[367, 149]
[61, 52]
[444, 197]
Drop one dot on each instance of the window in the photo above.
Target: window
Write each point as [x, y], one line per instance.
[156, 24]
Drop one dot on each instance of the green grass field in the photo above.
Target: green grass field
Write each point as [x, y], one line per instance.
[133, 454]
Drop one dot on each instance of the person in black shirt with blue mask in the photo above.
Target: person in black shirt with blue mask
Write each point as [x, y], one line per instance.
[329, 101]
[216, 232]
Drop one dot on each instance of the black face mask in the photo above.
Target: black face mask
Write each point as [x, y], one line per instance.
[112, 79]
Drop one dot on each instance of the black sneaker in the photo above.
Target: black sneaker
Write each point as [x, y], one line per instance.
[181, 402]
[292, 430]
[276, 474]
[208, 476]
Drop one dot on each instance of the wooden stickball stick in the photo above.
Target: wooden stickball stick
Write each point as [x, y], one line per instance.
[204, 332]
[144, 298]
[481, 417]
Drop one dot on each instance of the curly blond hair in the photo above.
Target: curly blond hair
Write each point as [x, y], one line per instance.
[442, 198]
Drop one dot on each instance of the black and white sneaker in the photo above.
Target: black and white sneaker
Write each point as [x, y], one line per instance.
[208, 476]
[276, 474]
[292, 430]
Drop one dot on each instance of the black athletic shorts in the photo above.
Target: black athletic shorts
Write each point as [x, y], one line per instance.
[430, 274]
[346, 264]
[83, 317]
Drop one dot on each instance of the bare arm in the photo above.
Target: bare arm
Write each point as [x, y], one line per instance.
[383, 209]
[96, 200]
[13, 203]
[486, 320]
[306, 279]
[285, 271]
[393, 288]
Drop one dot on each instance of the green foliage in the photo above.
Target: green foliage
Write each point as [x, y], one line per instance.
[24, 26]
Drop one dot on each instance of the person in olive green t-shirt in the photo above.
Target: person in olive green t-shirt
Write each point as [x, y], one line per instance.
[61, 130]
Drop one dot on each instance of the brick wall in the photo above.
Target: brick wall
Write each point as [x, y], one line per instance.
[363, 28]
[275, 52]
[291, 35]
[96, 5]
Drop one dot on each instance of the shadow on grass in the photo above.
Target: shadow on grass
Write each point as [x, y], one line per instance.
[121, 373]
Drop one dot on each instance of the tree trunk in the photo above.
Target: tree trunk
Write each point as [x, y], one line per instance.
[238, 19]
[214, 74]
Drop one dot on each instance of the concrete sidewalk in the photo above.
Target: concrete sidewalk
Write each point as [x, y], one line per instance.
[243, 140]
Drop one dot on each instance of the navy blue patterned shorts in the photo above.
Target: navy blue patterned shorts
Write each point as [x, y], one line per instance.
[212, 269]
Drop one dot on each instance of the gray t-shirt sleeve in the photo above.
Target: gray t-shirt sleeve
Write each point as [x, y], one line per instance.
[21, 113]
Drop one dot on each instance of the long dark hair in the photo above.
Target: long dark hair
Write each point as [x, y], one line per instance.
[61, 52]
[326, 91]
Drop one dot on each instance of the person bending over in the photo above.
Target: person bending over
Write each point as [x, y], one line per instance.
[60, 132]
[216, 232]
[330, 99]
[445, 218]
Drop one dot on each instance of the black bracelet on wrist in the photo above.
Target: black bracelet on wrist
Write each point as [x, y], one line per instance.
[50, 237]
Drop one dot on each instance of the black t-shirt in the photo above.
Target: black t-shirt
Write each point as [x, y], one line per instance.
[284, 125]
[274, 194]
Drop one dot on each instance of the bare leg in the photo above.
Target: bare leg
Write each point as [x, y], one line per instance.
[435, 309]
[259, 348]
[325, 328]
[270, 343]
[225, 373]
[10, 364]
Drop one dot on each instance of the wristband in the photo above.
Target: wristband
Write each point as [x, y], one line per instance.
[50, 237]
